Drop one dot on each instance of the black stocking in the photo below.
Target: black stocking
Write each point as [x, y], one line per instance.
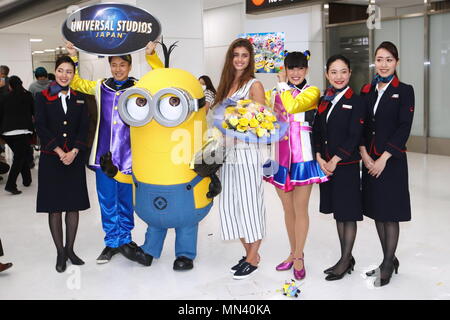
[391, 235]
[347, 235]
[71, 230]
[55, 223]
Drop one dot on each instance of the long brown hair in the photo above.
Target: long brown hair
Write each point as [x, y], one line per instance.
[228, 71]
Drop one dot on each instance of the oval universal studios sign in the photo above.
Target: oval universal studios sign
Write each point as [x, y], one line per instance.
[111, 29]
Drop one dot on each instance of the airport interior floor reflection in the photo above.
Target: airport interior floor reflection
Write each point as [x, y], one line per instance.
[423, 252]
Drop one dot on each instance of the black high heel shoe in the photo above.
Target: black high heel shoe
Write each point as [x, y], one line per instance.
[330, 269]
[74, 259]
[61, 262]
[380, 282]
[332, 276]
[372, 273]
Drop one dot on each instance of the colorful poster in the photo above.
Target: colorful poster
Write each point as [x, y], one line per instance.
[269, 50]
[111, 29]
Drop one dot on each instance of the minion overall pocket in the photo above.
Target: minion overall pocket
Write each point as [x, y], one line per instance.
[168, 206]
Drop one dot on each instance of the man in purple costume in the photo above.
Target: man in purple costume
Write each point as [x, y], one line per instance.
[113, 135]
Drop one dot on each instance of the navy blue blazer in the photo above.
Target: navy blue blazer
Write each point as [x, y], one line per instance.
[58, 129]
[341, 135]
[389, 129]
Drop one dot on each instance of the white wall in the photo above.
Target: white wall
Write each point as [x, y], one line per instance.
[16, 54]
[181, 21]
[302, 27]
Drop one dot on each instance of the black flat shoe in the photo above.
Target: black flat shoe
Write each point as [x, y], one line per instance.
[332, 276]
[13, 191]
[106, 255]
[182, 264]
[330, 269]
[61, 262]
[237, 266]
[374, 272]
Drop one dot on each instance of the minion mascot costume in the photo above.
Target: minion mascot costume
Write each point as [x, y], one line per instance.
[164, 106]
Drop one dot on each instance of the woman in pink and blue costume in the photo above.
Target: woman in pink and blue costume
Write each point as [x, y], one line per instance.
[294, 169]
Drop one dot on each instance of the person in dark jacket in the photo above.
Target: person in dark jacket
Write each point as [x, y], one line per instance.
[390, 111]
[16, 127]
[337, 132]
[62, 126]
[4, 80]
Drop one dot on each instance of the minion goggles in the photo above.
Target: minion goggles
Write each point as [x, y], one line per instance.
[170, 106]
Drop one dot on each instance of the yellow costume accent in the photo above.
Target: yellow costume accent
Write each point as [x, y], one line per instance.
[307, 100]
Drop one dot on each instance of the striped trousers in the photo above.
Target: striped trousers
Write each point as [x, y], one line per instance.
[241, 203]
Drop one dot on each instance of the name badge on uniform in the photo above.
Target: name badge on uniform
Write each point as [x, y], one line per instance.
[395, 96]
[346, 106]
[80, 101]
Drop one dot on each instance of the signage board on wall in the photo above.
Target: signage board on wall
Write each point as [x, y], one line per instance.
[111, 29]
[258, 6]
[269, 50]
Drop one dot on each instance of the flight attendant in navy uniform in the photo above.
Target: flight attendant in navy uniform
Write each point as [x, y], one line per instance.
[337, 133]
[390, 110]
[62, 126]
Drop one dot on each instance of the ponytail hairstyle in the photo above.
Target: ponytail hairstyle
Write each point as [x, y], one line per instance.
[338, 57]
[389, 46]
[296, 59]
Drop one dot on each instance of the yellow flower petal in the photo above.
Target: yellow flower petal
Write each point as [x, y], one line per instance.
[260, 132]
[241, 128]
[254, 123]
[243, 122]
[234, 122]
[242, 110]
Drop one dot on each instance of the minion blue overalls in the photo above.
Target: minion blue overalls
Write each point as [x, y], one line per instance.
[163, 207]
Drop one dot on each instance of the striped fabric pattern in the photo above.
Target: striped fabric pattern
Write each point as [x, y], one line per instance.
[209, 96]
[241, 204]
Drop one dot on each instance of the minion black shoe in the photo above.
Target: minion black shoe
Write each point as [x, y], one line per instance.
[183, 263]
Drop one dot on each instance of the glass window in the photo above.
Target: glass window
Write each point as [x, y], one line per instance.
[352, 41]
[440, 75]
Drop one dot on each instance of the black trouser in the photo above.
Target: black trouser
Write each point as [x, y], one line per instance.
[20, 145]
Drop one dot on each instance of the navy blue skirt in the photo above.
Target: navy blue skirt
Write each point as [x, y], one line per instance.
[60, 187]
[342, 194]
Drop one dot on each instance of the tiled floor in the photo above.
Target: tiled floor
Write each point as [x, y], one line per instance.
[423, 251]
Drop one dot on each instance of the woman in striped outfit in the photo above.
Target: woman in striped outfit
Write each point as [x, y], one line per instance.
[241, 203]
[294, 170]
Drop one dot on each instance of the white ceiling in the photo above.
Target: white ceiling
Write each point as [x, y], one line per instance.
[48, 27]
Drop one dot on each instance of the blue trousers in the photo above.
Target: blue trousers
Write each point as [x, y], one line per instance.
[116, 205]
[173, 206]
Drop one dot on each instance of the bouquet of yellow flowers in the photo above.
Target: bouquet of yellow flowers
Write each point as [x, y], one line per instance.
[250, 121]
[250, 116]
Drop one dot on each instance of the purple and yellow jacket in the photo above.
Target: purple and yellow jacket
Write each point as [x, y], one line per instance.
[111, 133]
